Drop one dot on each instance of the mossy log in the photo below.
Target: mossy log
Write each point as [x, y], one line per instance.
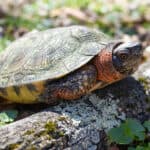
[80, 124]
[35, 132]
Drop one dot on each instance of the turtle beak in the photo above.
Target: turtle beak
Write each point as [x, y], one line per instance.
[137, 47]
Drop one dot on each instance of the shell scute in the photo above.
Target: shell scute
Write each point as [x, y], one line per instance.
[48, 55]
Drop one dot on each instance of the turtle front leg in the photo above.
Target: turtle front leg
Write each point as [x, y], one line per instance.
[73, 85]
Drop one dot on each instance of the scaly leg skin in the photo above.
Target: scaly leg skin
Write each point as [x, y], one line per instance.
[72, 86]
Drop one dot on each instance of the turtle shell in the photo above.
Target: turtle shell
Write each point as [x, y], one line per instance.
[38, 57]
[49, 54]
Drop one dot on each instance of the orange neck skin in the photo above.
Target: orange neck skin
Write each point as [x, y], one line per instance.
[106, 70]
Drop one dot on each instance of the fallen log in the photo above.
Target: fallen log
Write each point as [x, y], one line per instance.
[79, 124]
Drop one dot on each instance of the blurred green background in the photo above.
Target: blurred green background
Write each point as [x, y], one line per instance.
[128, 19]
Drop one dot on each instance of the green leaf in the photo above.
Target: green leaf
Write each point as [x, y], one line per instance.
[4, 117]
[134, 129]
[141, 148]
[134, 125]
[127, 132]
[147, 125]
[2, 124]
[8, 116]
[117, 135]
[131, 148]
[140, 135]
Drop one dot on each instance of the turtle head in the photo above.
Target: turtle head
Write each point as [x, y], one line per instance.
[118, 60]
[126, 57]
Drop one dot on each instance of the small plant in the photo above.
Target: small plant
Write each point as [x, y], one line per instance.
[133, 133]
[8, 116]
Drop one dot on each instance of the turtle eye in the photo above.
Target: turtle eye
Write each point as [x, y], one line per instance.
[123, 56]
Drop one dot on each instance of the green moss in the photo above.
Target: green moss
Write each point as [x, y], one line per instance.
[44, 133]
[52, 130]
[61, 134]
[144, 82]
[29, 132]
[62, 118]
[144, 59]
[148, 99]
[14, 146]
[51, 126]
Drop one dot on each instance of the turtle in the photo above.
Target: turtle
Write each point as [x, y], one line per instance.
[64, 63]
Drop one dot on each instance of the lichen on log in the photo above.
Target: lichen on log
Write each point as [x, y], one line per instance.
[80, 124]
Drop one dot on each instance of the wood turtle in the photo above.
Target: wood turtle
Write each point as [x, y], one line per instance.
[64, 63]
